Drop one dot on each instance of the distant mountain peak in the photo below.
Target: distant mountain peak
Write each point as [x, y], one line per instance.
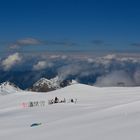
[8, 87]
[45, 85]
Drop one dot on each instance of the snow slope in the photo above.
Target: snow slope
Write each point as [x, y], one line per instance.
[111, 113]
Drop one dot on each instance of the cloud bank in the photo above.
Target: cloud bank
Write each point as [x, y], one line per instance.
[115, 78]
[25, 42]
[108, 70]
[18, 44]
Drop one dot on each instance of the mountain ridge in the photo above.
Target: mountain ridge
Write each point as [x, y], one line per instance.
[45, 85]
[8, 87]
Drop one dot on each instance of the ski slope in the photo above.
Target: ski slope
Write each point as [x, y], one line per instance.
[110, 113]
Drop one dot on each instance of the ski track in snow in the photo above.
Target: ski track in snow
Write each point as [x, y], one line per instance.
[110, 113]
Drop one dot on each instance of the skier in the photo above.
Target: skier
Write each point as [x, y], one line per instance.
[72, 100]
[56, 100]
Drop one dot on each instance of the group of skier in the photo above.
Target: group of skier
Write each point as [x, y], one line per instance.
[57, 100]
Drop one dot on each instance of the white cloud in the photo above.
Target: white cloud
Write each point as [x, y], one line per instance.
[54, 56]
[28, 41]
[63, 57]
[110, 56]
[90, 60]
[116, 78]
[71, 69]
[41, 65]
[25, 42]
[33, 41]
[11, 60]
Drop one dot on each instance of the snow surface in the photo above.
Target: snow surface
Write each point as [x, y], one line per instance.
[111, 113]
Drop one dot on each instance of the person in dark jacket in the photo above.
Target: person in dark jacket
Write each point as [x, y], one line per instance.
[56, 100]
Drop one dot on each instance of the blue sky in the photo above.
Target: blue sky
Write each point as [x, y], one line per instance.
[89, 25]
